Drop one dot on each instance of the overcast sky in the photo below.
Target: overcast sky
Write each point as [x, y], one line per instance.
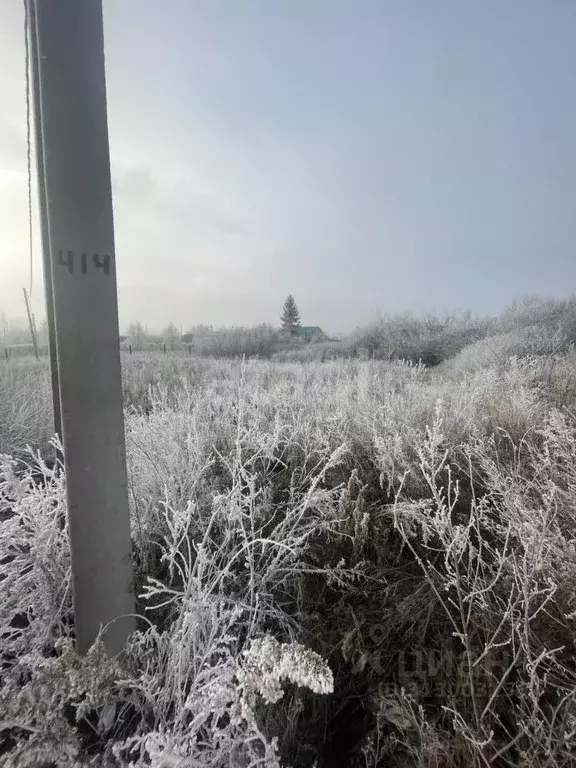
[363, 155]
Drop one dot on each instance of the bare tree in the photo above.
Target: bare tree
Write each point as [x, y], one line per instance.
[170, 335]
[136, 336]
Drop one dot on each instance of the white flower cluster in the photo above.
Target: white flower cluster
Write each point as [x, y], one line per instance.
[267, 663]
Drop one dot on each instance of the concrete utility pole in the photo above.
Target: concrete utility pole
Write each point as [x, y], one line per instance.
[47, 267]
[73, 117]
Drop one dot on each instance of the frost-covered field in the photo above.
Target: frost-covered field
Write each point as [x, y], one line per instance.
[342, 564]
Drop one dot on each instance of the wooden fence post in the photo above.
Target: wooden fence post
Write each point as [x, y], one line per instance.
[31, 324]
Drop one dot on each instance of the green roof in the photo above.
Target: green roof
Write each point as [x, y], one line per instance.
[304, 331]
[308, 330]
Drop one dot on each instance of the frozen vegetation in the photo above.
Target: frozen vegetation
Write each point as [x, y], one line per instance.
[356, 562]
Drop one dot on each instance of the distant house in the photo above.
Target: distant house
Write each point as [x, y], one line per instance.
[311, 333]
[307, 333]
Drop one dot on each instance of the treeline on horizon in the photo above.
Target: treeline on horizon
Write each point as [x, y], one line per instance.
[530, 326]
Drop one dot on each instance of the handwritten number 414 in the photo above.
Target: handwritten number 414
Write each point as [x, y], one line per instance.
[96, 262]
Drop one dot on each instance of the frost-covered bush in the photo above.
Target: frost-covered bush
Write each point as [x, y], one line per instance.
[503, 569]
[352, 562]
[428, 339]
[36, 598]
[260, 341]
[315, 352]
[532, 343]
[550, 316]
[186, 691]
[25, 406]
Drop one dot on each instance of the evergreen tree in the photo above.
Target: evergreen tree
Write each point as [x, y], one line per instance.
[290, 315]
